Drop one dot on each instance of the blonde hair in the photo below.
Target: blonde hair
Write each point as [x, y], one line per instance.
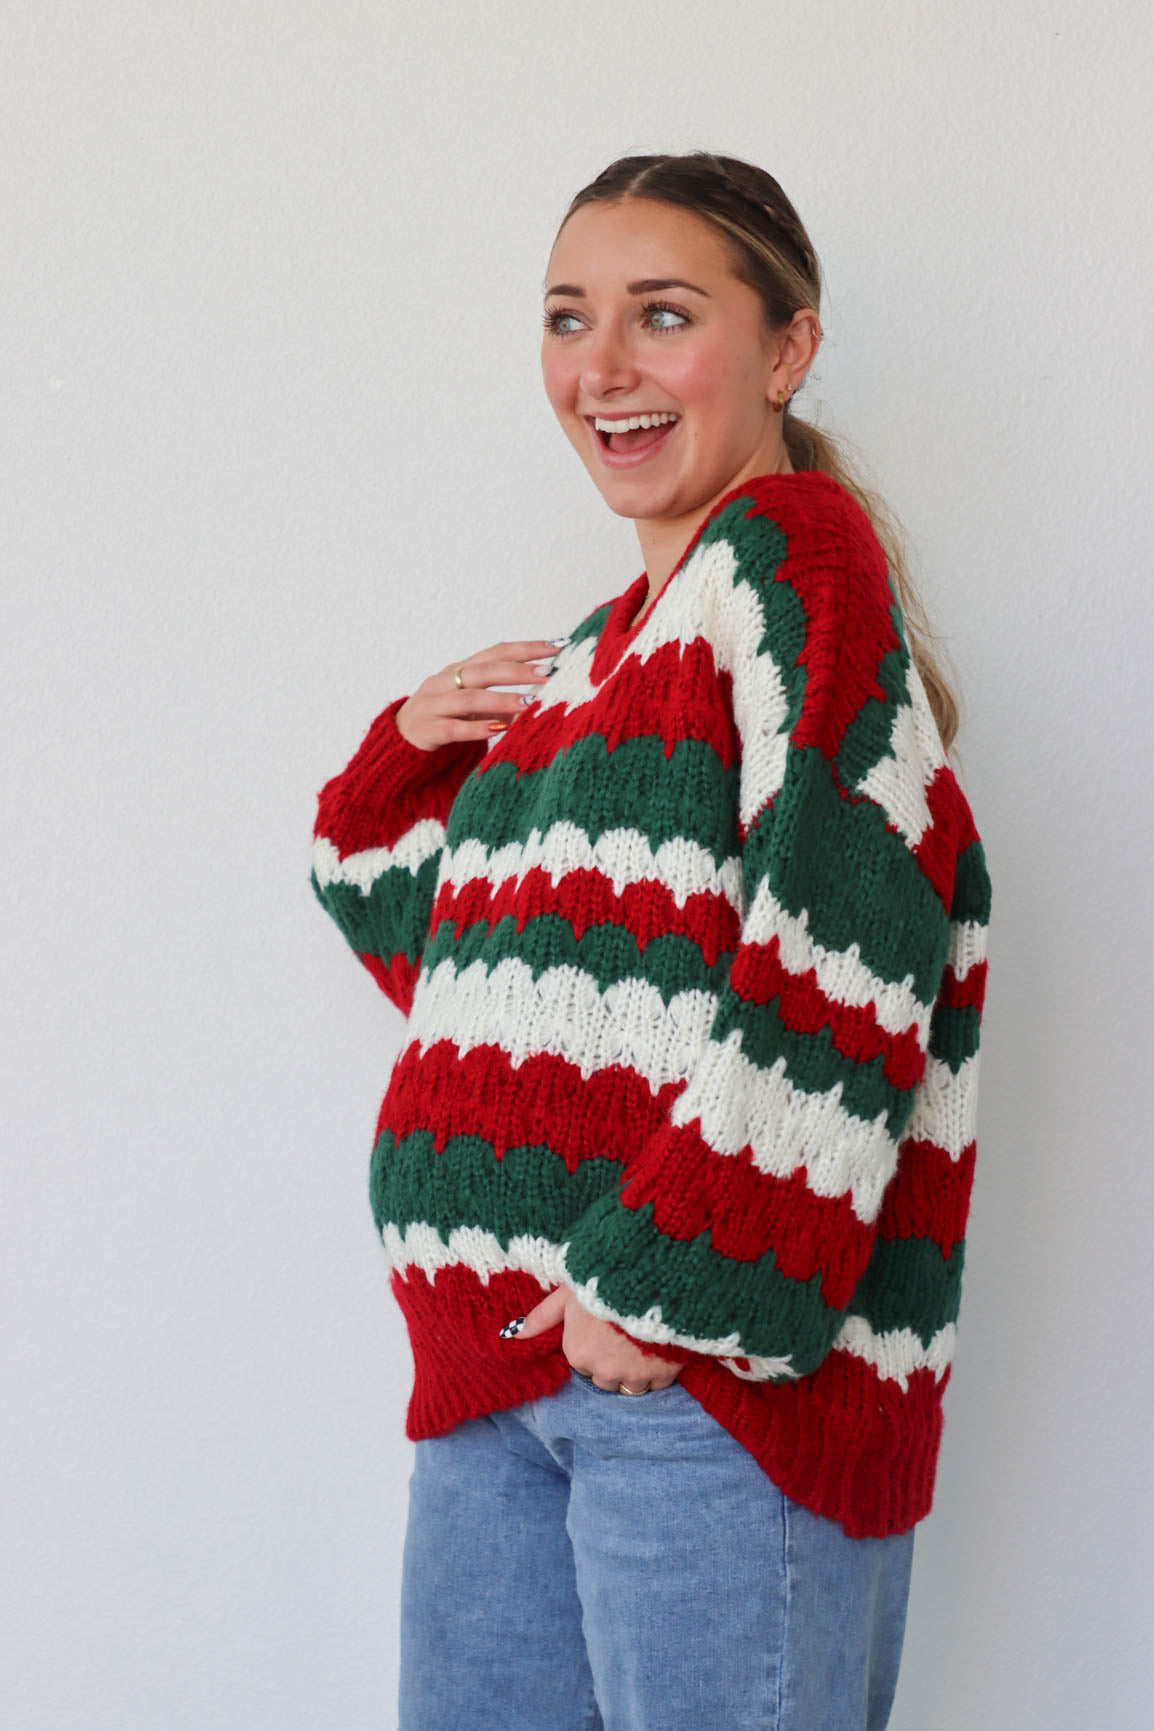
[772, 253]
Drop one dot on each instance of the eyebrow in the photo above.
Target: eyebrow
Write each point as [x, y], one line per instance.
[647, 285]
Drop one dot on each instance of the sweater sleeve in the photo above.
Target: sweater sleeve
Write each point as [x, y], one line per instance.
[377, 844]
[742, 1224]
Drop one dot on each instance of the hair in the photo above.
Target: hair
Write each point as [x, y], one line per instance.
[772, 254]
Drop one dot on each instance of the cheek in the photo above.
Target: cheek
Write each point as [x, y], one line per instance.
[560, 381]
[708, 380]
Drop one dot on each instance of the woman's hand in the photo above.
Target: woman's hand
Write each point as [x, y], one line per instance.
[595, 1347]
[440, 712]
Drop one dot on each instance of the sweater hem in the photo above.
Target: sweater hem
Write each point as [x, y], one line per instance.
[845, 1443]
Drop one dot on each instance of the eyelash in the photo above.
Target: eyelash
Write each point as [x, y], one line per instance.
[555, 314]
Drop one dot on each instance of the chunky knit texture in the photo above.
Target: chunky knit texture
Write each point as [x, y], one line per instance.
[693, 957]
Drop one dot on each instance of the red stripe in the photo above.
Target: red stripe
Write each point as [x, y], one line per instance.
[680, 683]
[837, 569]
[966, 993]
[748, 1212]
[545, 1099]
[587, 897]
[397, 979]
[758, 976]
[389, 785]
[937, 848]
[929, 1194]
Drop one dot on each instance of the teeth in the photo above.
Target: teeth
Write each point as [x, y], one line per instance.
[634, 421]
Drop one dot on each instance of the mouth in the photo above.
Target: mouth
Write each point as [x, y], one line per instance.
[624, 442]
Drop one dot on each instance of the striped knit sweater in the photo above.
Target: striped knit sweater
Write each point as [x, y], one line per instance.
[693, 961]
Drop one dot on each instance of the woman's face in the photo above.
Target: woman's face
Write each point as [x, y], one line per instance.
[626, 334]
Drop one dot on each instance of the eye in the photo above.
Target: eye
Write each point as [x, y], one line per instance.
[554, 318]
[665, 307]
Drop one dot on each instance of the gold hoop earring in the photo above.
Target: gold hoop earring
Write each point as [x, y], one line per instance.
[780, 403]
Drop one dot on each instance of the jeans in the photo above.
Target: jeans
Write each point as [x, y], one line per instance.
[598, 1561]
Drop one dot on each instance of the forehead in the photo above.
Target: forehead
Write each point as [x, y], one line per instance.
[637, 237]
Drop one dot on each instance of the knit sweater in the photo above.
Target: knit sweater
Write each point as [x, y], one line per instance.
[693, 958]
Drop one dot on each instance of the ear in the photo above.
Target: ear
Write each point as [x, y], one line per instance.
[797, 347]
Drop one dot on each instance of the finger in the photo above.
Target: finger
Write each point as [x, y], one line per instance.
[518, 649]
[478, 700]
[543, 1315]
[525, 648]
[478, 672]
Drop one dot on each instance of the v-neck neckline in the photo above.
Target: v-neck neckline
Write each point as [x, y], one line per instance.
[622, 623]
[617, 633]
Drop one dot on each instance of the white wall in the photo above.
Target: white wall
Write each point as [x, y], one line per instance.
[274, 447]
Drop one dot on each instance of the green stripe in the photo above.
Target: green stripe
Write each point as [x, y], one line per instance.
[910, 1284]
[529, 1190]
[856, 880]
[813, 1063]
[607, 953]
[700, 1293]
[869, 737]
[637, 787]
[954, 1034]
[761, 546]
[971, 900]
[392, 919]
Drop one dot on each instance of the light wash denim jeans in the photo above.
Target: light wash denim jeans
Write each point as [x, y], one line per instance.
[598, 1561]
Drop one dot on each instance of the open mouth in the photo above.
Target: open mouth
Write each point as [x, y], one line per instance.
[634, 437]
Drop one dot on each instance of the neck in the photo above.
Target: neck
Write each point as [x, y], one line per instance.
[664, 539]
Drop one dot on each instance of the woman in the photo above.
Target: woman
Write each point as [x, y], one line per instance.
[674, 1168]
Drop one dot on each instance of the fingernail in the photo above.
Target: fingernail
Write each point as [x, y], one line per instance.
[556, 641]
[513, 1327]
[498, 726]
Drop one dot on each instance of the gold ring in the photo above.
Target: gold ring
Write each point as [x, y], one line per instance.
[457, 677]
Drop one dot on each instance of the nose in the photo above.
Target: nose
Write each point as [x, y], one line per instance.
[607, 364]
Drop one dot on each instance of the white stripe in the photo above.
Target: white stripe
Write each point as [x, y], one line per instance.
[756, 1369]
[968, 940]
[569, 687]
[741, 1105]
[362, 870]
[650, 1326]
[945, 1109]
[421, 1246]
[624, 856]
[563, 1012]
[899, 782]
[897, 1352]
[841, 974]
[705, 601]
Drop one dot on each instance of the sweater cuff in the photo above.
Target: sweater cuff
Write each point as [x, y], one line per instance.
[393, 762]
[390, 784]
[671, 1354]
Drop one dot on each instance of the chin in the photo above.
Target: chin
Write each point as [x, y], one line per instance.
[636, 496]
